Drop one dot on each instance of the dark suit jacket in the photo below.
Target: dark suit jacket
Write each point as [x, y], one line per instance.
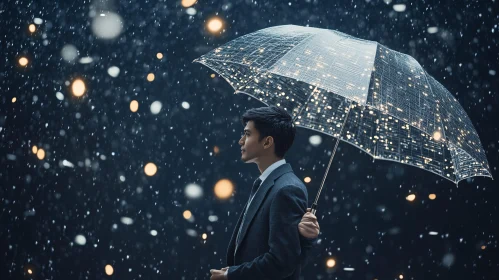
[270, 244]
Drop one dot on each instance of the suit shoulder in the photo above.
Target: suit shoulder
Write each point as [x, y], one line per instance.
[290, 179]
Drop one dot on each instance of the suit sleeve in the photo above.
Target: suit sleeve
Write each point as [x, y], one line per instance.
[284, 255]
[307, 244]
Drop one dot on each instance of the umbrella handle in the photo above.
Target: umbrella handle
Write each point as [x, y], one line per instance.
[314, 208]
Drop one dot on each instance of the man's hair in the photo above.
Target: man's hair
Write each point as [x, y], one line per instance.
[273, 121]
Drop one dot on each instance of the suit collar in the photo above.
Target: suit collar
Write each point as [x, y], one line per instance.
[271, 168]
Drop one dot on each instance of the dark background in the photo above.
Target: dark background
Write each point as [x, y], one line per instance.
[366, 222]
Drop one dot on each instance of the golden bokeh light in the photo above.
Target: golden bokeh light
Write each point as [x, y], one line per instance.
[483, 247]
[159, 55]
[150, 169]
[134, 106]
[214, 25]
[30, 271]
[223, 189]
[411, 197]
[14, 100]
[437, 135]
[204, 236]
[401, 276]
[23, 61]
[109, 269]
[330, 263]
[188, 3]
[216, 150]
[212, 76]
[78, 87]
[187, 214]
[40, 154]
[307, 180]
[432, 196]
[150, 77]
[34, 149]
[32, 28]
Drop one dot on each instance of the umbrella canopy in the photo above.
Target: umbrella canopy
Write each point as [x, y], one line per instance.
[358, 91]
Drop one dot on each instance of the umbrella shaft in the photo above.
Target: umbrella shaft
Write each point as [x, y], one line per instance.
[314, 205]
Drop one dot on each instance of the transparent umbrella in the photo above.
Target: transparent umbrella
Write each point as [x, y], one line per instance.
[360, 92]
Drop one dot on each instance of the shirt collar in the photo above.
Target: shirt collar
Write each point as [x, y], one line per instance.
[271, 168]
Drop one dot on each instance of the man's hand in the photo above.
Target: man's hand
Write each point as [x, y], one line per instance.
[218, 274]
[309, 227]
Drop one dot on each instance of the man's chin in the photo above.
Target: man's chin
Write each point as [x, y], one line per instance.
[245, 160]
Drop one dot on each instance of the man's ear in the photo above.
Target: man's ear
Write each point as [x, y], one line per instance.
[269, 140]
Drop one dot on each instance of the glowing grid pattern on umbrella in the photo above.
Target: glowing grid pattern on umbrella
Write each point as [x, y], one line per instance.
[358, 91]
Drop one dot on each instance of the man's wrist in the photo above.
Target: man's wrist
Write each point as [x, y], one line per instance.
[225, 273]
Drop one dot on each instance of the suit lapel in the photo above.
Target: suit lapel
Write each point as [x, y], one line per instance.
[258, 199]
[232, 243]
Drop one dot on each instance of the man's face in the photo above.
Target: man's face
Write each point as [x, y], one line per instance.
[251, 149]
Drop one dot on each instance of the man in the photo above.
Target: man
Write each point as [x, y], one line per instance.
[271, 238]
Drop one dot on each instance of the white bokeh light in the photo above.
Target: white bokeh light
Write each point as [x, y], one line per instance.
[69, 53]
[156, 107]
[448, 260]
[113, 71]
[59, 95]
[107, 25]
[193, 191]
[315, 140]
[432, 29]
[126, 220]
[86, 60]
[80, 240]
[399, 8]
[213, 218]
[185, 105]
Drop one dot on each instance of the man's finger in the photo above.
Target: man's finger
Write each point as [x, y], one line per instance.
[309, 224]
[311, 216]
[308, 217]
[310, 227]
[307, 220]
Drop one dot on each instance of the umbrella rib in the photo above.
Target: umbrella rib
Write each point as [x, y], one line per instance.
[443, 130]
[305, 40]
[441, 123]
[305, 104]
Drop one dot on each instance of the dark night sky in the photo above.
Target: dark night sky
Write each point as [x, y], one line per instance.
[366, 222]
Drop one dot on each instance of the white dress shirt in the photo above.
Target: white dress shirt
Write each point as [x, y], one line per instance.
[262, 177]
